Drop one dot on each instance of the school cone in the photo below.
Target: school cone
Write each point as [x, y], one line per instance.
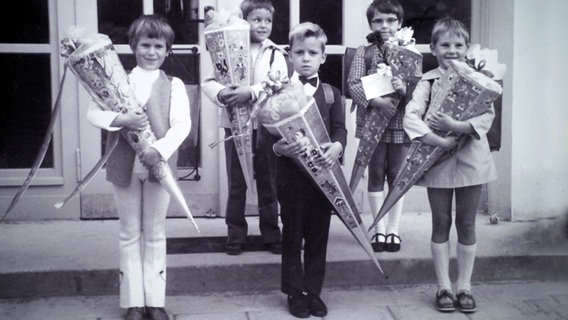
[331, 181]
[373, 129]
[464, 94]
[96, 65]
[228, 41]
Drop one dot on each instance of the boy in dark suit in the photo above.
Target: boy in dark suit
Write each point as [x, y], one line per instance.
[305, 211]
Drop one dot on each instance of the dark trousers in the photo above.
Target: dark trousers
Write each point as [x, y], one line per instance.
[306, 216]
[264, 163]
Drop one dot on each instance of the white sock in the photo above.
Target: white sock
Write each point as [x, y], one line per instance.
[466, 260]
[375, 202]
[394, 218]
[441, 258]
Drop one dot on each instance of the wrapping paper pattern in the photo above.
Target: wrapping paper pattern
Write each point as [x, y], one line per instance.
[462, 97]
[97, 66]
[331, 181]
[229, 47]
[405, 64]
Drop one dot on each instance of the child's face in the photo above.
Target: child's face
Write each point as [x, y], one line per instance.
[386, 23]
[449, 47]
[260, 21]
[307, 56]
[150, 53]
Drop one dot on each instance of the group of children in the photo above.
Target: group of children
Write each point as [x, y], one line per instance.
[305, 212]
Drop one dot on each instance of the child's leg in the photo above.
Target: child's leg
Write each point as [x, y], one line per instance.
[396, 157]
[375, 186]
[155, 206]
[265, 175]
[129, 207]
[467, 202]
[237, 227]
[441, 205]
[317, 217]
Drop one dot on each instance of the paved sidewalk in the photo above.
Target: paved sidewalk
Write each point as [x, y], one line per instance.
[496, 300]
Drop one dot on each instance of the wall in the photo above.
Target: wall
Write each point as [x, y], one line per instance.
[539, 133]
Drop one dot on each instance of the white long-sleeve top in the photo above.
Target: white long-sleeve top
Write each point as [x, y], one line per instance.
[179, 117]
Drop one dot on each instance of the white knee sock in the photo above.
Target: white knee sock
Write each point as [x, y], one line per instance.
[441, 257]
[375, 202]
[394, 217]
[466, 260]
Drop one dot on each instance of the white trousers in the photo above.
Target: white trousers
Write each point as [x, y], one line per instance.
[142, 208]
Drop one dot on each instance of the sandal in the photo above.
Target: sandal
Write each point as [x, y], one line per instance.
[390, 245]
[466, 302]
[445, 301]
[378, 246]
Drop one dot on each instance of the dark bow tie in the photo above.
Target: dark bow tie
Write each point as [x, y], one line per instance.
[313, 81]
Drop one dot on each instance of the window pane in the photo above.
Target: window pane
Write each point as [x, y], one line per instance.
[25, 88]
[281, 23]
[116, 16]
[25, 22]
[182, 16]
[327, 14]
[422, 14]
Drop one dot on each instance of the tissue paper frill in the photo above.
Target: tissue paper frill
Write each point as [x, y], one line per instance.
[465, 93]
[96, 65]
[283, 99]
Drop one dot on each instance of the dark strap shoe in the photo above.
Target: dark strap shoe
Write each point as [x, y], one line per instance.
[317, 306]
[155, 313]
[466, 302]
[134, 313]
[445, 301]
[298, 305]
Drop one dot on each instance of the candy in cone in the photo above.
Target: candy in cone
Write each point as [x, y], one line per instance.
[331, 181]
[228, 42]
[463, 95]
[97, 66]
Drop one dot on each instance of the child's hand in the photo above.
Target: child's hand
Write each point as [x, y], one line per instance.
[331, 153]
[131, 120]
[291, 150]
[443, 122]
[399, 86]
[150, 157]
[235, 95]
[385, 105]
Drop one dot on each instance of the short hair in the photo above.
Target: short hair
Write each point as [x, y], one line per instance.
[385, 6]
[450, 25]
[249, 5]
[305, 30]
[151, 26]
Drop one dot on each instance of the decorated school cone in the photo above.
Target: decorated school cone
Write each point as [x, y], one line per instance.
[465, 93]
[96, 65]
[403, 61]
[308, 125]
[228, 41]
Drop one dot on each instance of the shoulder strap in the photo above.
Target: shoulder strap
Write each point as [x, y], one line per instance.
[290, 68]
[328, 93]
